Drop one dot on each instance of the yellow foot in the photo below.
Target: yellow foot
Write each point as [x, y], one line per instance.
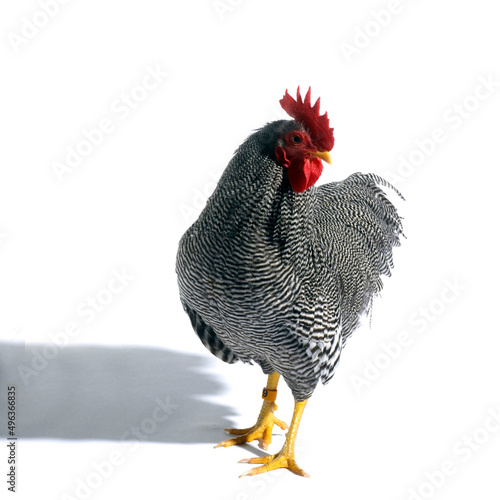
[280, 460]
[262, 430]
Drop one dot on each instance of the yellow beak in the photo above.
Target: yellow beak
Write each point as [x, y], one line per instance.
[324, 155]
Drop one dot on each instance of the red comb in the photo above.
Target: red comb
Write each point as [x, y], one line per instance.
[303, 112]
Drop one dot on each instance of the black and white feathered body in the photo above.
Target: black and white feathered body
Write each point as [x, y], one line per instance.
[281, 278]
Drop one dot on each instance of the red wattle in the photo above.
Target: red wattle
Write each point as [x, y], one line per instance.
[304, 173]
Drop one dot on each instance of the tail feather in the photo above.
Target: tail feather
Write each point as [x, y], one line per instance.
[359, 227]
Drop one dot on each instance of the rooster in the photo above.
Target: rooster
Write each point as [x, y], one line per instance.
[279, 272]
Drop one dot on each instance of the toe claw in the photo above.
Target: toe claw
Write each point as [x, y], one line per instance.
[281, 424]
[273, 462]
[230, 442]
[263, 444]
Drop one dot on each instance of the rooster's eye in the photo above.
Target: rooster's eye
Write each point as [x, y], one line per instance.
[296, 139]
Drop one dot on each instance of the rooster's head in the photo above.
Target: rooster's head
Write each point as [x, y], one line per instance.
[302, 150]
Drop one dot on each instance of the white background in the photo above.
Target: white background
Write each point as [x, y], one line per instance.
[384, 425]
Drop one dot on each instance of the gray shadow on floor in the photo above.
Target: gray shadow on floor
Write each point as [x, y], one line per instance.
[113, 393]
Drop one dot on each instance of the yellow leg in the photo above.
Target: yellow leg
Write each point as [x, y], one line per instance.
[286, 457]
[266, 420]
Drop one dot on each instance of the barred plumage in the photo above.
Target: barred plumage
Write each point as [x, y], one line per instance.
[282, 278]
